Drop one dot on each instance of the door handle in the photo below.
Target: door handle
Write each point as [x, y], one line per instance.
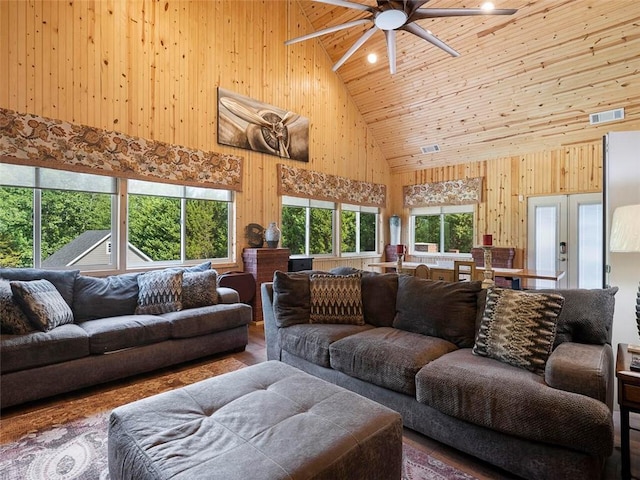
[563, 248]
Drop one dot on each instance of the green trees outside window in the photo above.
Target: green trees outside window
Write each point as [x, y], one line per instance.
[449, 232]
[58, 219]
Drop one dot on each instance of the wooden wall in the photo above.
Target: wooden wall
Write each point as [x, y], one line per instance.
[509, 181]
[151, 69]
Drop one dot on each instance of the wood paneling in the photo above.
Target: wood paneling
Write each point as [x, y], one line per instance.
[509, 181]
[523, 83]
[151, 69]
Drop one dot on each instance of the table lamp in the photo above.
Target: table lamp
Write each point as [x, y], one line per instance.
[625, 237]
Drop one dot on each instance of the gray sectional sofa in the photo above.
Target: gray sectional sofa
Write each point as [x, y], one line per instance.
[95, 330]
[523, 380]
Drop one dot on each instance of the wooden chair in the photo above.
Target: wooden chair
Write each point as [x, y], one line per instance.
[422, 271]
[464, 271]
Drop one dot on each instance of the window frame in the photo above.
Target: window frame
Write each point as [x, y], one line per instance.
[440, 211]
[39, 179]
[359, 209]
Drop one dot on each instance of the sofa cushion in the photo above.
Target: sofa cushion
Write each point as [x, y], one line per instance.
[105, 297]
[335, 299]
[311, 342]
[387, 357]
[115, 333]
[36, 349]
[12, 319]
[291, 298]
[519, 327]
[198, 321]
[159, 291]
[514, 401]
[379, 293]
[63, 280]
[586, 316]
[199, 288]
[42, 304]
[439, 309]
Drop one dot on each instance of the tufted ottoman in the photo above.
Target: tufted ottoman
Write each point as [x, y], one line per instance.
[269, 421]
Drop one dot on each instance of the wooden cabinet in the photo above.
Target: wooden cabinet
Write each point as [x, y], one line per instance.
[442, 274]
[262, 263]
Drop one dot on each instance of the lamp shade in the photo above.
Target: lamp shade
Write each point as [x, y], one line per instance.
[625, 229]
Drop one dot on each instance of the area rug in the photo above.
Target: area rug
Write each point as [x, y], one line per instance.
[78, 451]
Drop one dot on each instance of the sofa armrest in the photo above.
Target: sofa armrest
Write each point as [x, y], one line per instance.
[270, 326]
[227, 295]
[582, 368]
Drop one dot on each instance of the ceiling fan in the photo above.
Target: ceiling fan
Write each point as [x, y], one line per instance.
[392, 15]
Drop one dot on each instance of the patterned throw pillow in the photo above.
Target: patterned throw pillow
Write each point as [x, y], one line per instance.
[42, 303]
[199, 289]
[12, 318]
[159, 292]
[336, 299]
[519, 328]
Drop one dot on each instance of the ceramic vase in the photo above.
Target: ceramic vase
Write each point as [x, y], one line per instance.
[272, 235]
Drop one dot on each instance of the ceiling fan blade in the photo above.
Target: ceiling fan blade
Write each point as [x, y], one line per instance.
[421, 13]
[344, 3]
[324, 31]
[355, 47]
[429, 37]
[391, 49]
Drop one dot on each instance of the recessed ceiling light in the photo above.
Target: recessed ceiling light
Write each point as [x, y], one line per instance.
[372, 58]
[487, 6]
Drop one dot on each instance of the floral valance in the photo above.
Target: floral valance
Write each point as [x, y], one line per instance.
[298, 182]
[453, 192]
[38, 141]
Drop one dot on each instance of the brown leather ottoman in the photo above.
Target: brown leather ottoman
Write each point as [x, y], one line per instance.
[269, 421]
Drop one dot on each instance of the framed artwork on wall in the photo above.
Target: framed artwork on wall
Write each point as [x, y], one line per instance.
[247, 123]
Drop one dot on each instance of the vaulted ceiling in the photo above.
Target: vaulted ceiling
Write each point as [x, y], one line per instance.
[523, 83]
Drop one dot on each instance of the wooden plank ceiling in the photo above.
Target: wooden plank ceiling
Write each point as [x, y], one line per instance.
[523, 83]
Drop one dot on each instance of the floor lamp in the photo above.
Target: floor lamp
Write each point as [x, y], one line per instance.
[625, 237]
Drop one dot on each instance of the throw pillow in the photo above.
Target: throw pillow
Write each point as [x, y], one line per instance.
[111, 296]
[291, 301]
[199, 289]
[159, 292]
[336, 299]
[440, 309]
[42, 303]
[12, 319]
[519, 327]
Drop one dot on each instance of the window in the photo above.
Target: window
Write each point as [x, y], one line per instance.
[442, 229]
[307, 226]
[176, 223]
[358, 230]
[55, 219]
[58, 219]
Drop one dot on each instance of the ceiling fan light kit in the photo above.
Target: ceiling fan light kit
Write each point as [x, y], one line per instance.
[393, 15]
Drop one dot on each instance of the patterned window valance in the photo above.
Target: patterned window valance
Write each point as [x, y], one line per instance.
[38, 141]
[298, 182]
[453, 192]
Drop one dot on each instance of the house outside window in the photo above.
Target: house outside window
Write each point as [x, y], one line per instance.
[446, 229]
[55, 219]
[58, 219]
[308, 226]
[358, 232]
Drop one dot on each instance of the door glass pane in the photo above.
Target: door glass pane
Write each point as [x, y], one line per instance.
[546, 242]
[590, 246]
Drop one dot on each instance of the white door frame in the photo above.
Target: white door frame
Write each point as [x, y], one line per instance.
[566, 232]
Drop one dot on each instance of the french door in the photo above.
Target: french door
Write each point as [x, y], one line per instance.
[565, 233]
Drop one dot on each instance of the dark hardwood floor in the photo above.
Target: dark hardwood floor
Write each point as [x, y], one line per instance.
[18, 421]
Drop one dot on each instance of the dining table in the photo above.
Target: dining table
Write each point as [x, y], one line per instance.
[445, 272]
